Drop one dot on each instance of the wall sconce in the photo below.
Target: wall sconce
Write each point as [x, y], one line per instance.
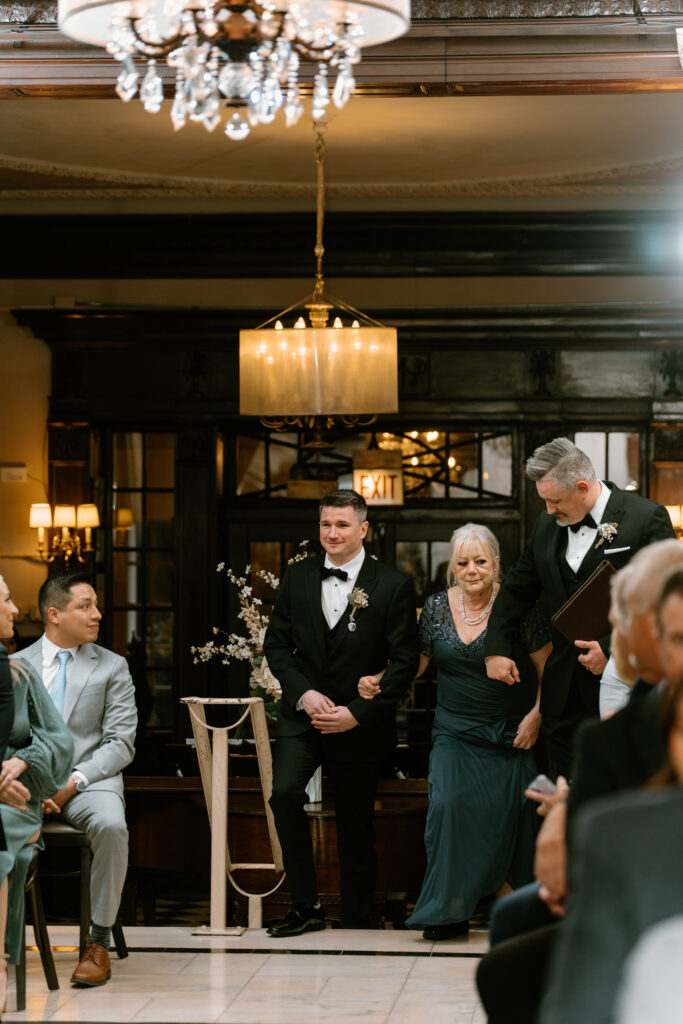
[67, 521]
[676, 516]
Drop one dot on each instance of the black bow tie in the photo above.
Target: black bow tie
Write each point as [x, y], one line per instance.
[326, 572]
[586, 521]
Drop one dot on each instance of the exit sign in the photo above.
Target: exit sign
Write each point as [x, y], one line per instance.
[378, 476]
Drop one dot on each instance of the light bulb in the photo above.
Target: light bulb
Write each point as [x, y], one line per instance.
[300, 322]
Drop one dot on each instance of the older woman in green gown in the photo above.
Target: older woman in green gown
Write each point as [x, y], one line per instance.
[36, 762]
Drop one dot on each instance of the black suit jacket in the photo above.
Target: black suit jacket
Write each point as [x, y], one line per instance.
[621, 752]
[303, 655]
[625, 876]
[639, 522]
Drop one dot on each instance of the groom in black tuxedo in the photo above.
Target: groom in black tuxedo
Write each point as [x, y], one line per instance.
[336, 619]
[586, 520]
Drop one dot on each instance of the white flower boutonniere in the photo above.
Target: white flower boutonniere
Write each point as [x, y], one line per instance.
[357, 599]
[606, 533]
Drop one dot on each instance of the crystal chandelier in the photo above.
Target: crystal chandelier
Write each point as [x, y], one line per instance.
[243, 53]
[309, 375]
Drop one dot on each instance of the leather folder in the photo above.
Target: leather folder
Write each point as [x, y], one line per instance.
[584, 615]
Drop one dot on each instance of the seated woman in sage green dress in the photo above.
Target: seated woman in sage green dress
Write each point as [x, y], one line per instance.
[36, 762]
[480, 827]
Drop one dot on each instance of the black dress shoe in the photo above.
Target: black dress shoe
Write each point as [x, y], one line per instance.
[297, 921]
[439, 932]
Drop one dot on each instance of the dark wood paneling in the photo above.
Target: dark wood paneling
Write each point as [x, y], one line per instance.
[357, 245]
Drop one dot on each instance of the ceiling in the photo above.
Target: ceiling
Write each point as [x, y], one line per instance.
[536, 113]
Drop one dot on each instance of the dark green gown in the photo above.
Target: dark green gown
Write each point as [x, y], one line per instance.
[481, 828]
[40, 738]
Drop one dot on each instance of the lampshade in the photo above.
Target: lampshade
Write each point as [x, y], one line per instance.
[123, 518]
[335, 371]
[65, 515]
[87, 515]
[40, 515]
[381, 20]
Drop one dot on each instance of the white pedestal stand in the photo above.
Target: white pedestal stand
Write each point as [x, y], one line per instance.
[214, 770]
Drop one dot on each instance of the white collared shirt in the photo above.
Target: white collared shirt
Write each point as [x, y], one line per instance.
[580, 543]
[49, 671]
[335, 592]
[50, 663]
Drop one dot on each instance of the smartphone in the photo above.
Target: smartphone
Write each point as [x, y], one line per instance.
[542, 784]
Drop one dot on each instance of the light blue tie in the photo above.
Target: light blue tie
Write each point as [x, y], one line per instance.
[59, 682]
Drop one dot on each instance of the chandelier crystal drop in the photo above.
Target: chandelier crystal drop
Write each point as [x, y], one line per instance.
[242, 54]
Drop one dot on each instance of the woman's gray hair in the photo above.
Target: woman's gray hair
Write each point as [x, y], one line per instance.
[563, 462]
[478, 532]
[649, 570]
[620, 587]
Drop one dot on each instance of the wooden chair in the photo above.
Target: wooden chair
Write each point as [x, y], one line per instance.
[60, 835]
[34, 901]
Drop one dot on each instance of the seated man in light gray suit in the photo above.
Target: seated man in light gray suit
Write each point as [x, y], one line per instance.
[93, 690]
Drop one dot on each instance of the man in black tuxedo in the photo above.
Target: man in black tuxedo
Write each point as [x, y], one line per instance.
[319, 645]
[566, 545]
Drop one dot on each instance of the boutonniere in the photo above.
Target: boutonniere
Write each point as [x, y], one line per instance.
[357, 599]
[606, 533]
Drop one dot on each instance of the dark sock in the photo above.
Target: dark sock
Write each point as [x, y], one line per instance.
[100, 934]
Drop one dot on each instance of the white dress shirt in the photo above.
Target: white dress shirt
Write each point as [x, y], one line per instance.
[50, 667]
[579, 543]
[335, 592]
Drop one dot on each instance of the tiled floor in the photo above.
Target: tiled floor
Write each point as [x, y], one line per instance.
[335, 976]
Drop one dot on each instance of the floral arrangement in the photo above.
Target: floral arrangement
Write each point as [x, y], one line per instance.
[249, 647]
[606, 532]
[357, 599]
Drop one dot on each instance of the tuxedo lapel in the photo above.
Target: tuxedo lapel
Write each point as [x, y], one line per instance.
[314, 601]
[366, 580]
[612, 514]
[557, 537]
[83, 666]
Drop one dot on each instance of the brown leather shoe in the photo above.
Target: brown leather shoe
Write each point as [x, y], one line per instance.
[93, 967]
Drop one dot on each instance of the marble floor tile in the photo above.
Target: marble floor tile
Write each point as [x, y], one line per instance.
[330, 977]
[97, 1005]
[185, 1008]
[299, 1011]
[337, 966]
[374, 992]
[224, 964]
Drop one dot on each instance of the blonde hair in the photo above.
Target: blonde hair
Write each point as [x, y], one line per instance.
[483, 536]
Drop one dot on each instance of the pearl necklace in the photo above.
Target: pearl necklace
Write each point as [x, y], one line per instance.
[487, 609]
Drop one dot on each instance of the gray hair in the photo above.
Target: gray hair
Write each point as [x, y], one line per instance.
[619, 588]
[563, 462]
[469, 531]
[648, 572]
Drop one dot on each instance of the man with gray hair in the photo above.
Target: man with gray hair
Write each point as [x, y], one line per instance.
[586, 520]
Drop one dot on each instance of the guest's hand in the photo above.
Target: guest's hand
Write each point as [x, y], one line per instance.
[368, 686]
[11, 770]
[56, 802]
[339, 719]
[557, 905]
[527, 730]
[315, 703]
[502, 669]
[547, 800]
[15, 794]
[593, 659]
[550, 864]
